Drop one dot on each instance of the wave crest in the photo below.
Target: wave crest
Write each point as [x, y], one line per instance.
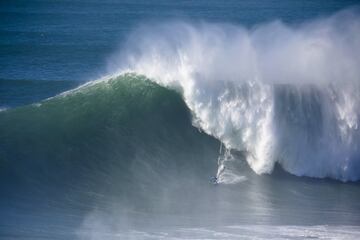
[286, 94]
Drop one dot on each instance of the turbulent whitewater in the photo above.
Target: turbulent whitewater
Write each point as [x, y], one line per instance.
[280, 94]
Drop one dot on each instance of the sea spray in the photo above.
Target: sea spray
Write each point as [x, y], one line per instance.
[228, 171]
[286, 94]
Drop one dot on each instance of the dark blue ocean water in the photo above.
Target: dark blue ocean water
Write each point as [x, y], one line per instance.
[72, 40]
[122, 160]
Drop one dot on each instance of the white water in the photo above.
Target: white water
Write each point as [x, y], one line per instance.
[236, 232]
[285, 94]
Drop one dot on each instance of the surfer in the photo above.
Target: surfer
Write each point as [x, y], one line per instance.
[214, 180]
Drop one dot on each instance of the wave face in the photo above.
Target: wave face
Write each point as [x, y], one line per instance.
[120, 148]
[126, 129]
[281, 94]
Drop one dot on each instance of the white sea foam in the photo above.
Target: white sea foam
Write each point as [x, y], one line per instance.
[286, 94]
[235, 232]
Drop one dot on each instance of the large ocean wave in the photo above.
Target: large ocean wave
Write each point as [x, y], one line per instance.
[281, 94]
[287, 95]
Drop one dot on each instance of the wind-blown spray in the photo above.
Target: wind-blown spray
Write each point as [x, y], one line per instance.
[286, 94]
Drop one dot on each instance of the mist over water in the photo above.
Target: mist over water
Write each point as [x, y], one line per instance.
[271, 110]
[276, 95]
[282, 94]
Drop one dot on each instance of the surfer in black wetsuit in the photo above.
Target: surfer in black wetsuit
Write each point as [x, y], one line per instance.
[214, 180]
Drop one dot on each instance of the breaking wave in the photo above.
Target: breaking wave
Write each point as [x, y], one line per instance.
[281, 94]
